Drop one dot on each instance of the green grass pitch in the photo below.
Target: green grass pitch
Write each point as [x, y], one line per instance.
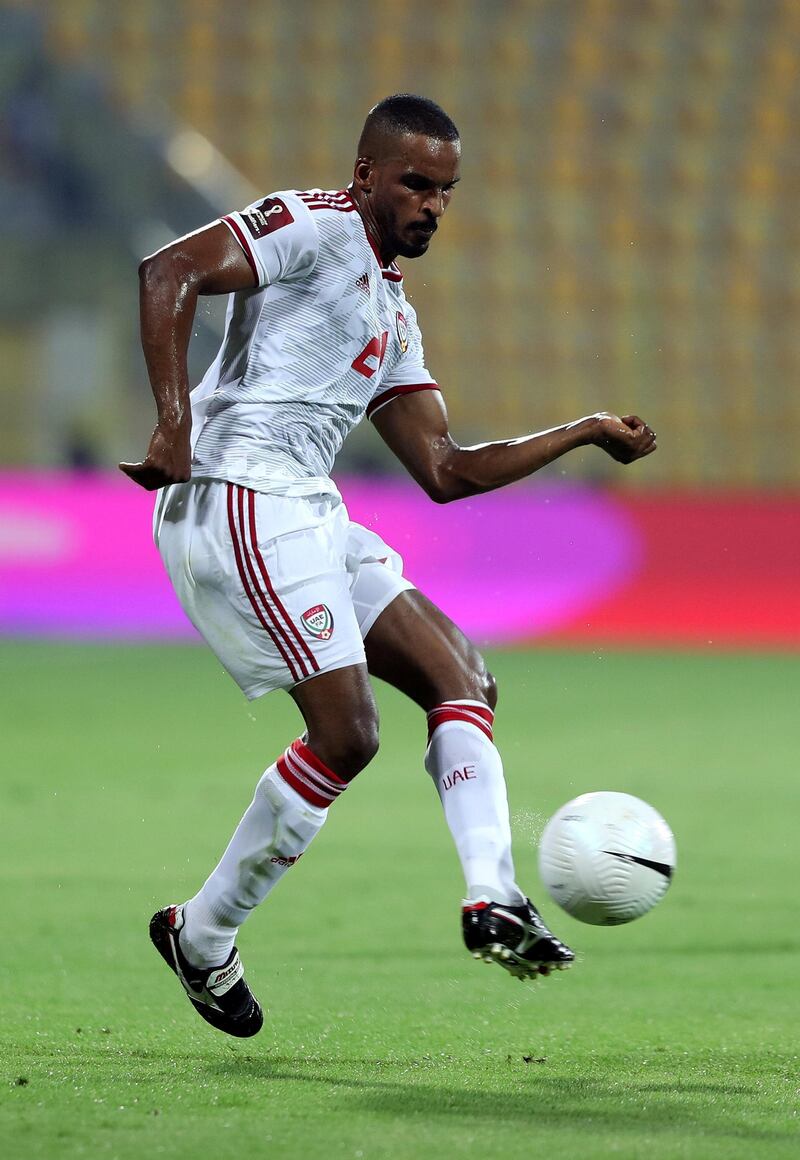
[125, 769]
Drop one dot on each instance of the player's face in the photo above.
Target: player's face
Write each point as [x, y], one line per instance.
[411, 190]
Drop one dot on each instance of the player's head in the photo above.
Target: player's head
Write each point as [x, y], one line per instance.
[407, 165]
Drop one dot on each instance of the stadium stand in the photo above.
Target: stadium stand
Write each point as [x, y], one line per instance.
[626, 231]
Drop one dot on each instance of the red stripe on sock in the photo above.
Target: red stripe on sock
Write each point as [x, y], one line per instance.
[302, 750]
[300, 787]
[315, 781]
[472, 707]
[480, 716]
[300, 784]
[466, 707]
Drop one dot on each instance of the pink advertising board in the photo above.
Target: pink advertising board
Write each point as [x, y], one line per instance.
[570, 564]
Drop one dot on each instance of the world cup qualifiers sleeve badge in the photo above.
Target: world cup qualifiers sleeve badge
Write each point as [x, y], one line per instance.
[272, 214]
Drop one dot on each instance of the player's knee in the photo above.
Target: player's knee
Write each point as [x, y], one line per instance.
[349, 750]
[362, 742]
[483, 682]
[470, 677]
[489, 688]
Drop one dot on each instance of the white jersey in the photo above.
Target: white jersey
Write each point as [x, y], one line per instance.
[326, 337]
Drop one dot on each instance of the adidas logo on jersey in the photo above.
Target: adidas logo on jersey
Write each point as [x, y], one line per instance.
[362, 283]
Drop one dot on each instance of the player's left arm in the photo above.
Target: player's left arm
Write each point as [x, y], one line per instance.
[415, 427]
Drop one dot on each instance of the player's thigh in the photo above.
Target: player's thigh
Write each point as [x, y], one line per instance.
[416, 648]
[264, 581]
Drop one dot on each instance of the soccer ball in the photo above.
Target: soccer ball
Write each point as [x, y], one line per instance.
[607, 858]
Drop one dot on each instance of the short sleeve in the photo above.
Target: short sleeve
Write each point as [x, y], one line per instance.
[408, 373]
[278, 236]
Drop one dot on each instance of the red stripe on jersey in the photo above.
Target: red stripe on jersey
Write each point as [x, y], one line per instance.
[312, 205]
[373, 247]
[341, 201]
[327, 203]
[243, 575]
[243, 242]
[478, 715]
[395, 393]
[292, 627]
[390, 272]
[325, 194]
[344, 201]
[330, 204]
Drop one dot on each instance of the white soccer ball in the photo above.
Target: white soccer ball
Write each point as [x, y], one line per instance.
[607, 858]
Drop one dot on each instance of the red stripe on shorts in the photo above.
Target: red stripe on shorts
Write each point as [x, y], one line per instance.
[273, 594]
[273, 615]
[246, 585]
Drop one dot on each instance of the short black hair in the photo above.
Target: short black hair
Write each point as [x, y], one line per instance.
[407, 113]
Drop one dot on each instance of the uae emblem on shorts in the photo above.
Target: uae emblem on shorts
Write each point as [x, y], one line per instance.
[319, 621]
[402, 331]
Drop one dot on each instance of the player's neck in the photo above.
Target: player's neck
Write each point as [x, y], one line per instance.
[371, 226]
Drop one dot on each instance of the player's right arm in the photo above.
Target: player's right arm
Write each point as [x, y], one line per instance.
[209, 261]
[416, 428]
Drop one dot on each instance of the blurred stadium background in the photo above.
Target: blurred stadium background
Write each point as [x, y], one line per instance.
[625, 237]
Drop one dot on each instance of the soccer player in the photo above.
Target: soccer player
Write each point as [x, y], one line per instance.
[262, 554]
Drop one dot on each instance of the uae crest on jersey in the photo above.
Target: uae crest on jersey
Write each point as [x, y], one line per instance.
[402, 331]
[319, 621]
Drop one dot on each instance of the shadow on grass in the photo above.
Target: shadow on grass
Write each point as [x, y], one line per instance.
[683, 1106]
[523, 1091]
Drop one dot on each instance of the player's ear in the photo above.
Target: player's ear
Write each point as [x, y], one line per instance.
[363, 174]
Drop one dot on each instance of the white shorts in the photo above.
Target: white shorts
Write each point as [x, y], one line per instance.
[282, 589]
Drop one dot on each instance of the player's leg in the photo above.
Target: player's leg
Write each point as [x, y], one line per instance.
[278, 614]
[341, 719]
[289, 807]
[416, 648]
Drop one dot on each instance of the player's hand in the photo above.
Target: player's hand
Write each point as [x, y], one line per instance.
[168, 460]
[624, 439]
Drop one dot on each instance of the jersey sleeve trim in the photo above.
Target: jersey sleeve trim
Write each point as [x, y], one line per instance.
[323, 199]
[395, 393]
[238, 233]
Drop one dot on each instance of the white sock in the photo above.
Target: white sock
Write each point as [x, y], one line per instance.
[287, 811]
[468, 773]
